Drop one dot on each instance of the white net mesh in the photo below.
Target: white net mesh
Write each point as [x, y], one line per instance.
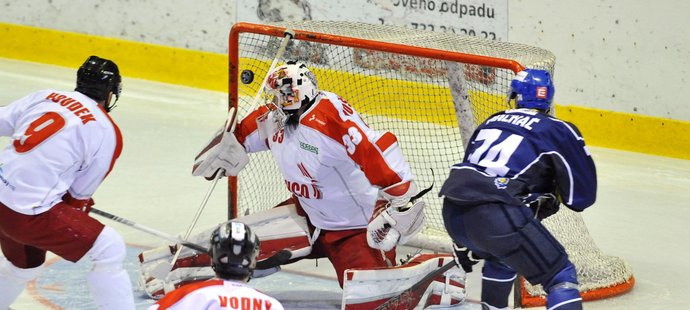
[427, 102]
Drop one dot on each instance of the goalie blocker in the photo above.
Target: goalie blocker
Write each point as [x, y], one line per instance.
[283, 236]
[223, 154]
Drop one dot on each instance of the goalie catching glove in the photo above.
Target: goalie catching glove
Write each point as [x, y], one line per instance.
[223, 154]
[397, 216]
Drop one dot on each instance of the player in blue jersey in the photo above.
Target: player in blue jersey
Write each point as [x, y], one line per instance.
[519, 166]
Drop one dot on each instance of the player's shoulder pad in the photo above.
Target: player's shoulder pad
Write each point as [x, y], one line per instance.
[330, 110]
[568, 127]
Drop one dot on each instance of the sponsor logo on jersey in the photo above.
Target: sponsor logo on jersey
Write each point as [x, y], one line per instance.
[5, 181]
[314, 119]
[307, 191]
[309, 147]
[501, 183]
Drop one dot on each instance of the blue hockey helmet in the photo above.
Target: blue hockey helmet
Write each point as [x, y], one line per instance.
[532, 89]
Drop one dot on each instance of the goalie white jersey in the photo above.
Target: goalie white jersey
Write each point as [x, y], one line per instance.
[332, 161]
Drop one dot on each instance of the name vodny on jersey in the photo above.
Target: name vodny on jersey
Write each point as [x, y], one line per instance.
[232, 302]
[73, 105]
[515, 119]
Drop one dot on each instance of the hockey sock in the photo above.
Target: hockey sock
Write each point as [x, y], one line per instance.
[13, 280]
[497, 282]
[108, 281]
[563, 293]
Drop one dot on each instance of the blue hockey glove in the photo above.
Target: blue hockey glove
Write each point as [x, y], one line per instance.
[464, 257]
[542, 205]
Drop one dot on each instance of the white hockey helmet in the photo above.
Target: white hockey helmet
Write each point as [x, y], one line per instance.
[293, 85]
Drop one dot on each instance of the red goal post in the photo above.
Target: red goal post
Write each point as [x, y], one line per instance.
[431, 90]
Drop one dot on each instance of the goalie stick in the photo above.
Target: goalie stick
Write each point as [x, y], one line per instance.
[218, 175]
[410, 297]
[149, 230]
[288, 35]
[279, 258]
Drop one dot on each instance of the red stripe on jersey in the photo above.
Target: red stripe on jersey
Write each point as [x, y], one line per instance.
[386, 140]
[304, 171]
[324, 118]
[118, 141]
[173, 297]
[248, 124]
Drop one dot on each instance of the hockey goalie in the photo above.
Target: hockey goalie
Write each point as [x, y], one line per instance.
[351, 191]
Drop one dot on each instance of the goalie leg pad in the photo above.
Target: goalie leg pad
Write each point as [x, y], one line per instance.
[370, 288]
[278, 229]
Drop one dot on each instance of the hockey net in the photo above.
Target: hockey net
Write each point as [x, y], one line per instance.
[431, 90]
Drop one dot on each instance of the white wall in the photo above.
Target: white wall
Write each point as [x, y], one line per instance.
[628, 56]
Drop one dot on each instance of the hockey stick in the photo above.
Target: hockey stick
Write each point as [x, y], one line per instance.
[410, 297]
[149, 230]
[280, 258]
[289, 34]
[166, 267]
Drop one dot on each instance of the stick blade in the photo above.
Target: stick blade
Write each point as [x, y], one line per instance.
[280, 258]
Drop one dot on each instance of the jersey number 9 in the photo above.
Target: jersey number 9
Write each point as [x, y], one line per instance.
[39, 130]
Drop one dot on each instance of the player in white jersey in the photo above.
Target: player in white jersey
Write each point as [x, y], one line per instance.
[63, 144]
[234, 248]
[351, 182]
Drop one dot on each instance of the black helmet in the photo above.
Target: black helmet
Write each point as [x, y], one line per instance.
[234, 248]
[97, 77]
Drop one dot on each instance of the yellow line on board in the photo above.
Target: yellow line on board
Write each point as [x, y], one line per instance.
[206, 70]
[135, 59]
[630, 132]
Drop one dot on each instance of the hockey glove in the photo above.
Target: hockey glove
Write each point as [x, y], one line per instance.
[464, 257]
[222, 154]
[542, 205]
[396, 218]
[79, 204]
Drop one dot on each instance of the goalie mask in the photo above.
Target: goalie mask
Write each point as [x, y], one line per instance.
[532, 89]
[98, 79]
[293, 86]
[234, 248]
